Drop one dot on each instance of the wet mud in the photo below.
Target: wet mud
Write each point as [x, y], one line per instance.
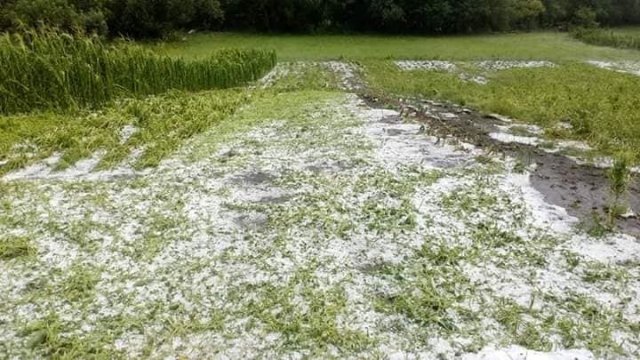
[582, 189]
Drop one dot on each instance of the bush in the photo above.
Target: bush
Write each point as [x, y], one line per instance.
[65, 15]
[157, 18]
[135, 18]
[585, 17]
[40, 70]
[607, 38]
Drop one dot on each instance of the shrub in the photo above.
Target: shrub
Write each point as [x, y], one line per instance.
[607, 38]
[68, 15]
[157, 18]
[585, 17]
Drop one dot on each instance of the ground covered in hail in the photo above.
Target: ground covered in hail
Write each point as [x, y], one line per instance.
[319, 227]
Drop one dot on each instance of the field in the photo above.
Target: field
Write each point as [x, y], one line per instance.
[536, 46]
[622, 38]
[370, 197]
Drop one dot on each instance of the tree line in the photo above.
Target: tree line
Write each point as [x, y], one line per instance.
[157, 18]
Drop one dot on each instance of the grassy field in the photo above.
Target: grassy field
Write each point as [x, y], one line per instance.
[288, 218]
[304, 224]
[67, 98]
[543, 45]
[604, 115]
[155, 126]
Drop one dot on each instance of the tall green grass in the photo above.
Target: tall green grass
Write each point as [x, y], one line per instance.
[608, 38]
[51, 71]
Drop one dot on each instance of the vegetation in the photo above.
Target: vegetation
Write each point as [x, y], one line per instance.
[148, 19]
[613, 38]
[135, 18]
[551, 46]
[604, 115]
[47, 70]
[300, 222]
[619, 178]
[159, 124]
[16, 247]
[143, 18]
[298, 227]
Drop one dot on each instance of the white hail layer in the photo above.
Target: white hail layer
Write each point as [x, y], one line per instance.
[212, 235]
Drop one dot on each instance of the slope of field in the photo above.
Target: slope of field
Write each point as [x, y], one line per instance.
[311, 224]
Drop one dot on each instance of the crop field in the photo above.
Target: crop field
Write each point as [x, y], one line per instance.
[361, 197]
[624, 38]
[531, 46]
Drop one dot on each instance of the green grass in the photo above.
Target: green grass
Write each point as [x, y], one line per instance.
[317, 326]
[58, 71]
[16, 247]
[624, 38]
[429, 300]
[81, 283]
[163, 123]
[601, 105]
[539, 46]
[522, 332]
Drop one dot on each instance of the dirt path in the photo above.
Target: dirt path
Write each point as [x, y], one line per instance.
[323, 228]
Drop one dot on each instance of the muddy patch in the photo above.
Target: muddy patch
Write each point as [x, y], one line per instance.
[251, 221]
[275, 199]
[255, 178]
[583, 189]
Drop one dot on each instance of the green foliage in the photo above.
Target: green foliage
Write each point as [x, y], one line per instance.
[619, 175]
[420, 16]
[608, 38]
[163, 123]
[16, 247]
[305, 314]
[142, 18]
[431, 287]
[159, 18]
[45, 70]
[49, 336]
[552, 46]
[585, 17]
[605, 115]
[619, 179]
[81, 282]
[135, 18]
[68, 15]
